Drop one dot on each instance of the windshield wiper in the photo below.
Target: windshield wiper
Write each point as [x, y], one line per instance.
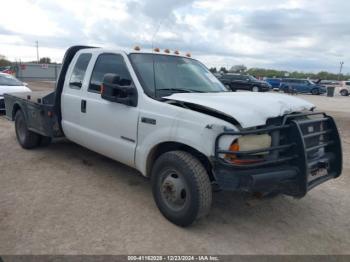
[179, 90]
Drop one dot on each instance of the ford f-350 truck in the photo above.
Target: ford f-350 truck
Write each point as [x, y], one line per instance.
[168, 117]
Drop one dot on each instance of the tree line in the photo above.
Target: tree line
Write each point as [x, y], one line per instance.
[6, 62]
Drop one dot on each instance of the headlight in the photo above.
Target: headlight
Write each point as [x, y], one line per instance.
[249, 143]
[253, 142]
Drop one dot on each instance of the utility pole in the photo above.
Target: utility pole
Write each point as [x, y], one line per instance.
[37, 51]
[341, 68]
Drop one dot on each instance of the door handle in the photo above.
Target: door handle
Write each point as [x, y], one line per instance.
[83, 106]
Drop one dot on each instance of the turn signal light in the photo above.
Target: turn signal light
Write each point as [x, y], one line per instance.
[233, 147]
[233, 158]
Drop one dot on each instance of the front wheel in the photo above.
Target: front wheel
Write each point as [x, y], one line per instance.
[255, 89]
[181, 187]
[315, 91]
[344, 92]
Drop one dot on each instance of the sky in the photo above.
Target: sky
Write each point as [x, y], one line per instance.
[303, 35]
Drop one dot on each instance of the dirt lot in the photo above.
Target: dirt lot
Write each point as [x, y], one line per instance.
[65, 199]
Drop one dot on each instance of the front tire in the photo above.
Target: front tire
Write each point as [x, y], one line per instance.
[181, 187]
[315, 91]
[26, 138]
[344, 92]
[255, 89]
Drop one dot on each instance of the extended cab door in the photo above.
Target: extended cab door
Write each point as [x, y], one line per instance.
[73, 91]
[109, 128]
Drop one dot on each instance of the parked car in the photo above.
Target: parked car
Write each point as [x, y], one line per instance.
[7, 69]
[329, 83]
[302, 86]
[10, 84]
[274, 82]
[244, 82]
[345, 88]
[170, 118]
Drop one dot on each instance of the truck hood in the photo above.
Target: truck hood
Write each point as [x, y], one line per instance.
[247, 108]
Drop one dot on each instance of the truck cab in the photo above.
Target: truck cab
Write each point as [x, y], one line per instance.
[168, 117]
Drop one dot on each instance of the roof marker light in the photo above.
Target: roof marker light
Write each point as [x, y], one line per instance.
[167, 51]
[137, 48]
[156, 49]
[188, 55]
[176, 52]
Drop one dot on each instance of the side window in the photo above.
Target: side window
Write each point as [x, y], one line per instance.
[109, 63]
[77, 77]
[347, 83]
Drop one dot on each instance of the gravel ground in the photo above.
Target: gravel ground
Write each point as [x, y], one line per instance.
[65, 199]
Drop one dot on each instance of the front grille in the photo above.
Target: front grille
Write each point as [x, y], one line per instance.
[319, 145]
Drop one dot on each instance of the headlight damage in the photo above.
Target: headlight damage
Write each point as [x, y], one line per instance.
[249, 143]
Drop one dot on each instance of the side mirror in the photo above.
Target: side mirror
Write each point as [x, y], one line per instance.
[114, 90]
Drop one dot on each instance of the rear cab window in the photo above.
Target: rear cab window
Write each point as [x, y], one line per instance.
[77, 77]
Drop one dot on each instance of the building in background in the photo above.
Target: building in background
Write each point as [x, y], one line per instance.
[34, 71]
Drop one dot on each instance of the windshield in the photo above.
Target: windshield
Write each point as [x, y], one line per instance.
[252, 78]
[162, 75]
[8, 80]
[310, 82]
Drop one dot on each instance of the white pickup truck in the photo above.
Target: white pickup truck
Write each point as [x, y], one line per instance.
[168, 117]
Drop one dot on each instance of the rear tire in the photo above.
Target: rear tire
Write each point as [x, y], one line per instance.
[344, 92]
[181, 187]
[26, 138]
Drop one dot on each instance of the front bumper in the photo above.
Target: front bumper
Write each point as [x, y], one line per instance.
[306, 152]
[265, 88]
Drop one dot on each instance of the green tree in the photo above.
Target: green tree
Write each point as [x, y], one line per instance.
[45, 60]
[213, 69]
[223, 70]
[5, 62]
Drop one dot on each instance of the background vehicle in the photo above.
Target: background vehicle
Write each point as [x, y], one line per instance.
[326, 82]
[302, 86]
[345, 88]
[244, 82]
[10, 84]
[8, 70]
[171, 119]
[274, 82]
